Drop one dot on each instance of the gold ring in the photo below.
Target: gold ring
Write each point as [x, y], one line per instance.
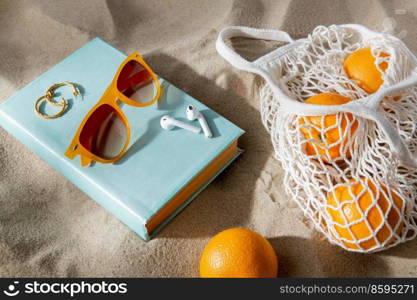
[64, 105]
[50, 92]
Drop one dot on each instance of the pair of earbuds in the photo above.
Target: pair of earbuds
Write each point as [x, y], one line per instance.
[192, 113]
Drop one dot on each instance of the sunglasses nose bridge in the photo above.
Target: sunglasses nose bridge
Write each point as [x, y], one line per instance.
[119, 102]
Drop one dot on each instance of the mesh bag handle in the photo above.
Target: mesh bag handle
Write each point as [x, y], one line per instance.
[366, 107]
[241, 31]
[391, 133]
[240, 63]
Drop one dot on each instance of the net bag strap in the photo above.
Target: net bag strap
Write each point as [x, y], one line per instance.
[392, 134]
[366, 107]
[240, 31]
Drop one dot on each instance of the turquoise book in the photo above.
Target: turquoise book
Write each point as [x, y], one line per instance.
[162, 170]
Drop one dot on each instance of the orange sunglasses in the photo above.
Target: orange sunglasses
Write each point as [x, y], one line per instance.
[104, 134]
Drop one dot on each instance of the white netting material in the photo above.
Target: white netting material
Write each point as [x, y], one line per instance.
[340, 168]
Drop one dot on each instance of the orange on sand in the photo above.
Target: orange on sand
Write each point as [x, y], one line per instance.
[329, 136]
[238, 252]
[360, 67]
[353, 212]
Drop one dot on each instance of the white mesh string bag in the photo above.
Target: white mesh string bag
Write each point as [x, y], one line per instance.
[350, 167]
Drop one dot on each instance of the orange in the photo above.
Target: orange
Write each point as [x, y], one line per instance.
[238, 252]
[388, 215]
[328, 132]
[360, 67]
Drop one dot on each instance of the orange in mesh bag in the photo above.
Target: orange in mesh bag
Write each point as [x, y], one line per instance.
[346, 145]
[357, 221]
[329, 134]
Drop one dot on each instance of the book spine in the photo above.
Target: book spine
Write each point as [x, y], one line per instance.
[72, 173]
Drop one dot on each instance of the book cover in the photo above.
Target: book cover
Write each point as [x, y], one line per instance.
[158, 163]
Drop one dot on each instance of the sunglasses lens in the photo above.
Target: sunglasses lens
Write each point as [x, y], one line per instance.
[136, 83]
[104, 134]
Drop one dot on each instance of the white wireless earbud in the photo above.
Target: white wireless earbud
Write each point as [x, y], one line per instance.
[194, 114]
[169, 123]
